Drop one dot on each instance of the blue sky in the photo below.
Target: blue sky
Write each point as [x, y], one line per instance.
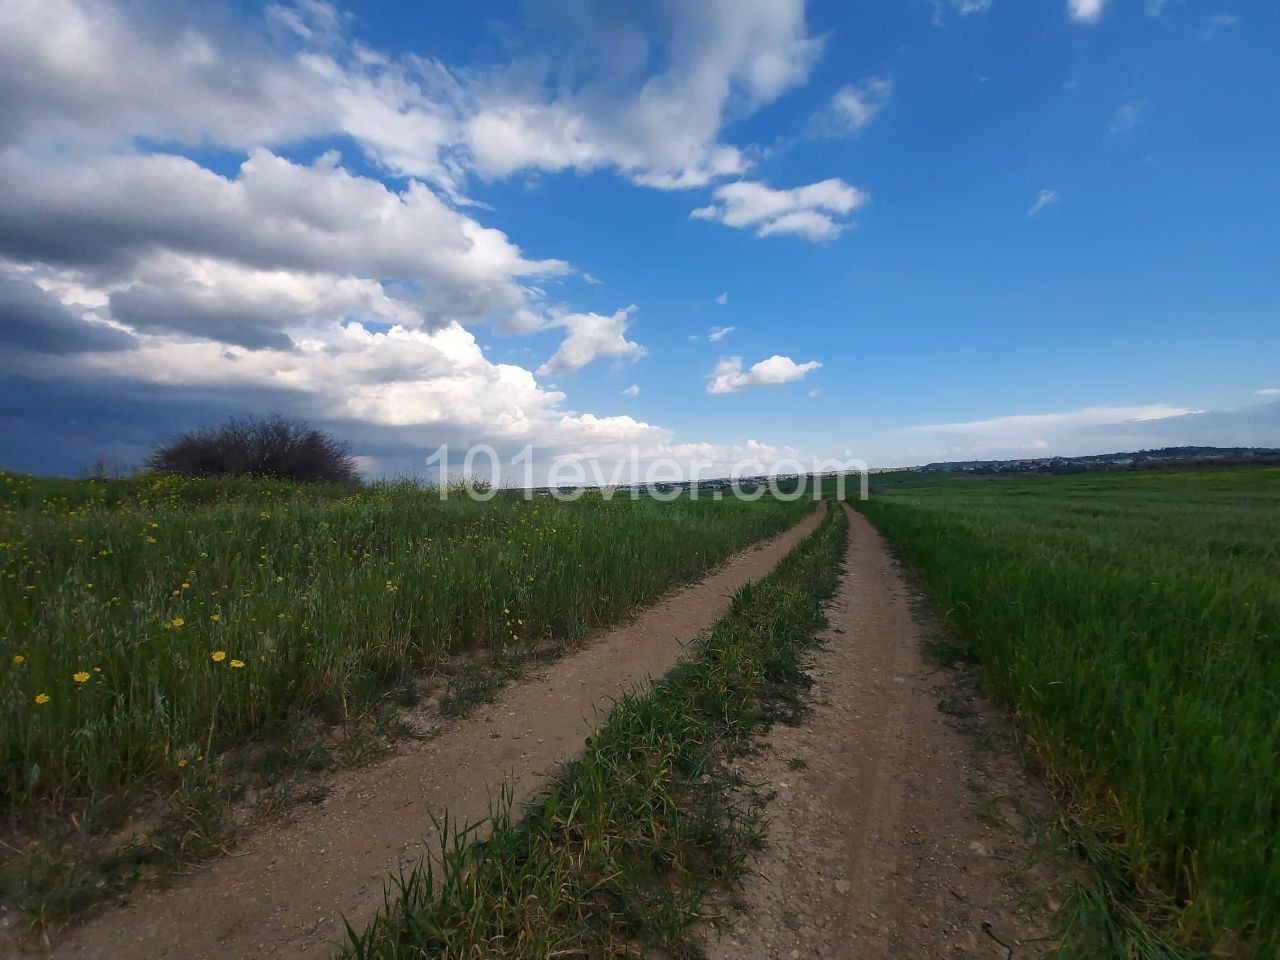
[940, 230]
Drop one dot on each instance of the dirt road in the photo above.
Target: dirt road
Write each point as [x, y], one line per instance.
[889, 834]
[282, 893]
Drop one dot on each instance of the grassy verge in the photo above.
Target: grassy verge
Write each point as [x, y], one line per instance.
[168, 644]
[1132, 623]
[621, 850]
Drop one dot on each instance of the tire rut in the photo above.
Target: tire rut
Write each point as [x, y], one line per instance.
[888, 836]
[285, 889]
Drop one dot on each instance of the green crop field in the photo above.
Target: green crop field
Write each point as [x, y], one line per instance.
[149, 627]
[1132, 622]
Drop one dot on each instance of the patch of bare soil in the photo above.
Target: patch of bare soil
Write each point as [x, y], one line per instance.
[896, 829]
[284, 890]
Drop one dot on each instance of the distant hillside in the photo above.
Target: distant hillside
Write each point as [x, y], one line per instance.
[1139, 460]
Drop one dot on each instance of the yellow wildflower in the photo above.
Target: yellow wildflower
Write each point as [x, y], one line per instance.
[218, 656]
[18, 658]
[215, 617]
[177, 621]
[80, 677]
[182, 763]
[237, 664]
[42, 698]
[185, 585]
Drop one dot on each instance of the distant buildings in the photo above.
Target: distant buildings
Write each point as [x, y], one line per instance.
[1140, 460]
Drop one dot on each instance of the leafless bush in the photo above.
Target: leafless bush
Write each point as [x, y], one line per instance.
[271, 447]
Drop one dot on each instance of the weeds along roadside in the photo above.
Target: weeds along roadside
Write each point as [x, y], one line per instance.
[152, 627]
[1130, 622]
[624, 845]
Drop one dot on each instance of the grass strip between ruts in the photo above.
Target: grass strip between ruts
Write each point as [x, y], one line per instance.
[619, 853]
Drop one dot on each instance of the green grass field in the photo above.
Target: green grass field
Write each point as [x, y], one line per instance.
[150, 626]
[1132, 622]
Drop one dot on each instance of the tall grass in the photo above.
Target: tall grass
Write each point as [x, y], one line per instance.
[616, 858]
[148, 624]
[1133, 623]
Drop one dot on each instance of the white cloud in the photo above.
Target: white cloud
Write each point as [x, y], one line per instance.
[162, 233]
[344, 297]
[1085, 11]
[592, 336]
[1269, 392]
[1217, 23]
[631, 391]
[962, 7]
[723, 298]
[729, 376]
[807, 211]
[856, 105]
[106, 73]
[722, 58]
[719, 333]
[109, 72]
[1043, 199]
[1126, 117]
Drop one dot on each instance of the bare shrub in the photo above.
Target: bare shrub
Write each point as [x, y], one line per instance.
[274, 446]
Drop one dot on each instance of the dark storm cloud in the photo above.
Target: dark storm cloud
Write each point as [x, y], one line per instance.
[149, 308]
[68, 427]
[32, 319]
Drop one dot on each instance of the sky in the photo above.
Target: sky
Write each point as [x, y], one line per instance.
[898, 230]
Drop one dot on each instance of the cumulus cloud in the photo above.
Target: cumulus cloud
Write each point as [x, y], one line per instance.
[721, 57]
[723, 298]
[719, 333]
[1085, 11]
[856, 105]
[105, 73]
[730, 377]
[410, 386]
[631, 391]
[33, 319]
[809, 211]
[592, 336]
[342, 289]
[1269, 392]
[155, 226]
[1043, 199]
[110, 72]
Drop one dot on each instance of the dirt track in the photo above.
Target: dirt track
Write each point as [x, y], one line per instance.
[891, 835]
[282, 893]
